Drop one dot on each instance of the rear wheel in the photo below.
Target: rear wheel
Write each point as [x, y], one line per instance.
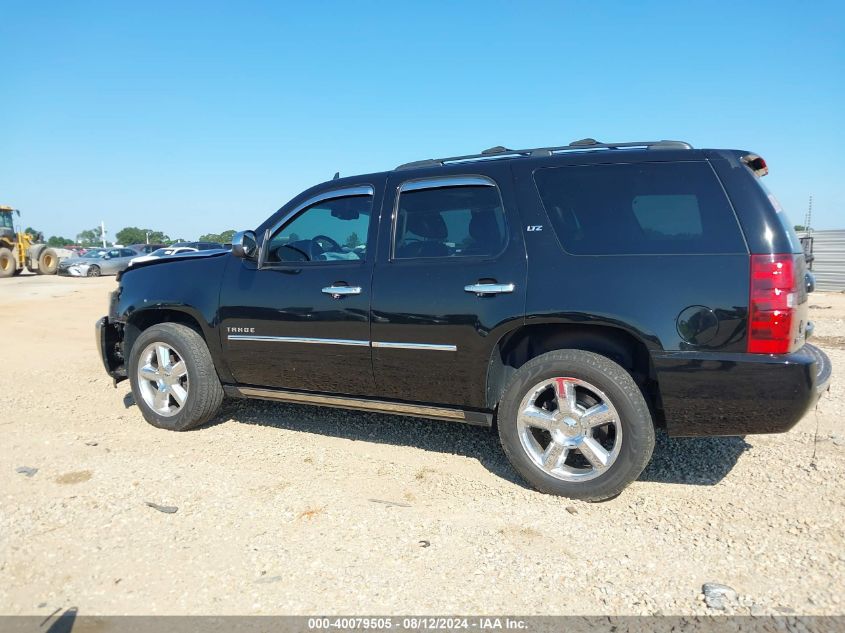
[48, 262]
[93, 270]
[173, 377]
[8, 265]
[575, 424]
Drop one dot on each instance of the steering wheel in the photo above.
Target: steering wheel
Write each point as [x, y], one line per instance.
[335, 246]
[279, 258]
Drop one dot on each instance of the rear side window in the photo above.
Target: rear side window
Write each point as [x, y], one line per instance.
[458, 221]
[638, 209]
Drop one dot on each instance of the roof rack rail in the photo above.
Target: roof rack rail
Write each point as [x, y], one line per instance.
[580, 145]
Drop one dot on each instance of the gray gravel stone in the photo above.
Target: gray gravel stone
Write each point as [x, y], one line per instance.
[718, 596]
[165, 509]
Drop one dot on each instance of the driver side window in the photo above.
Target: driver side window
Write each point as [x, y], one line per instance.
[331, 230]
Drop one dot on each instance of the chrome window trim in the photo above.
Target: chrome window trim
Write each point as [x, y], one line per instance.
[433, 347]
[358, 190]
[436, 182]
[299, 339]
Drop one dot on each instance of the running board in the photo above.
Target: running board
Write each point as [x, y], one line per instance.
[380, 406]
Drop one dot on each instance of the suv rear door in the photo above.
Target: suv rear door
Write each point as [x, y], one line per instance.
[449, 281]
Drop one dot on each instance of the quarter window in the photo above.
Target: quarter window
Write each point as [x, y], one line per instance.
[456, 221]
[331, 230]
[639, 208]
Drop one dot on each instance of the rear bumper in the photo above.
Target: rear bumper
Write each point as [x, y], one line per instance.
[739, 394]
[109, 336]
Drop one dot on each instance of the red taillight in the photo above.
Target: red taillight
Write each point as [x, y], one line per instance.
[772, 304]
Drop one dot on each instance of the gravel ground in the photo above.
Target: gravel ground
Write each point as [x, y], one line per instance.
[289, 509]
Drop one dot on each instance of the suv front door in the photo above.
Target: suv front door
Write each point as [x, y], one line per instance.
[301, 319]
[449, 281]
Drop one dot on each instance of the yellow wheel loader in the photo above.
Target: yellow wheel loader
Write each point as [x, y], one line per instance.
[19, 250]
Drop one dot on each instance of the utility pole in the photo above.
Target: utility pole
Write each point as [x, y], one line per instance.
[103, 232]
[148, 237]
[809, 217]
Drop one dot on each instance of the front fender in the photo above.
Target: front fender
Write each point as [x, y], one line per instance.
[185, 291]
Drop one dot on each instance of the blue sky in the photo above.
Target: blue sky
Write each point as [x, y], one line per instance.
[194, 117]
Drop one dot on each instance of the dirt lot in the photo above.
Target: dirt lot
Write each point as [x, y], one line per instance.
[284, 509]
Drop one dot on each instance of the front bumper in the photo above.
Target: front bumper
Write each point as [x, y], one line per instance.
[739, 394]
[109, 335]
[74, 271]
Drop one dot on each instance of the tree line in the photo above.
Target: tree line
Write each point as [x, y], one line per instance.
[126, 236]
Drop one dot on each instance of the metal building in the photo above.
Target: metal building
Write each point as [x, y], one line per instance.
[828, 249]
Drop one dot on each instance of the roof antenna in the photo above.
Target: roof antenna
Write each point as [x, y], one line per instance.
[336, 175]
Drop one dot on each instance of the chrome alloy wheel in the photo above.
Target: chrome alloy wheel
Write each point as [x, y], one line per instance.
[162, 379]
[569, 429]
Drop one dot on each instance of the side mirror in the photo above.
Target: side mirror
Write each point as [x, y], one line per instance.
[244, 245]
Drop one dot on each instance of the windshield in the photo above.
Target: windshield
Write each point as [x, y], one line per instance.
[6, 220]
[93, 254]
[161, 252]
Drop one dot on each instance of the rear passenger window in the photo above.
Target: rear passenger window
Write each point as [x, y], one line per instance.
[640, 208]
[458, 221]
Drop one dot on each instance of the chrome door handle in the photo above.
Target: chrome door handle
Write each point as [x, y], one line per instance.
[341, 291]
[489, 289]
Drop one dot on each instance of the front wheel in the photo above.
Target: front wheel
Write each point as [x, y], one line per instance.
[8, 264]
[173, 377]
[48, 262]
[575, 424]
[93, 271]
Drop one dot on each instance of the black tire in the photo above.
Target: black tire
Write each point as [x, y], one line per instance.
[205, 394]
[8, 264]
[637, 428]
[94, 271]
[48, 262]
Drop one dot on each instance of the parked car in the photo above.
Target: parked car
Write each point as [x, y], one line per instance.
[98, 262]
[167, 251]
[200, 246]
[577, 296]
[146, 249]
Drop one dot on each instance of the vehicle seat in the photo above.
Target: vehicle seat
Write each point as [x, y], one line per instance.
[431, 226]
[485, 233]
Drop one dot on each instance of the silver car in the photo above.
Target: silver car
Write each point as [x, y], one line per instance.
[100, 262]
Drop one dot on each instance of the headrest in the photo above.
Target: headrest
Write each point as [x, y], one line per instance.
[483, 226]
[428, 224]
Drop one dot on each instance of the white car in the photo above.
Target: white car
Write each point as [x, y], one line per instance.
[163, 252]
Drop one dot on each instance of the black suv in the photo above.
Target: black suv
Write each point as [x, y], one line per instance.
[575, 296]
